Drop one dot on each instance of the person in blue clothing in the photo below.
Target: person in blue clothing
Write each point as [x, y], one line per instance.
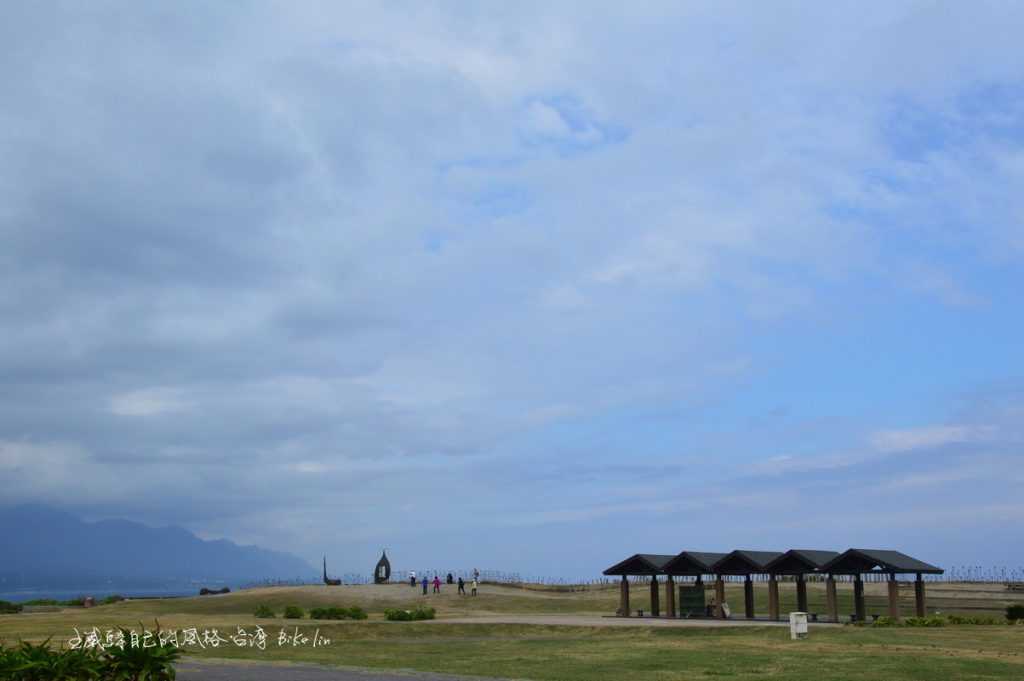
[424, 584]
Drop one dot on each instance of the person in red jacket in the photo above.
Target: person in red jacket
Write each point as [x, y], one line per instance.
[437, 584]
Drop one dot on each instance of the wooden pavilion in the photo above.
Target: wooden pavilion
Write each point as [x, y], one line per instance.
[741, 563]
[795, 562]
[640, 564]
[800, 562]
[858, 562]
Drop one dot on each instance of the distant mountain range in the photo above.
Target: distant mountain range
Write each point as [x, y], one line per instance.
[45, 546]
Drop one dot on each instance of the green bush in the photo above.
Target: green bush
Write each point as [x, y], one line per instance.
[968, 619]
[263, 611]
[294, 612]
[151, 664]
[8, 662]
[6, 607]
[420, 613]
[1015, 612]
[72, 602]
[929, 621]
[336, 613]
[28, 662]
[113, 598]
[937, 621]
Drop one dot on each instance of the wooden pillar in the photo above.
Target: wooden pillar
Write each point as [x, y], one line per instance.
[773, 598]
[894, 596]
[670, 597]
[655, 609]
[748, 598]
[719, 597]
[858, 598]
[624, 597]
[801, 593]
[919, 595]
[831, 600]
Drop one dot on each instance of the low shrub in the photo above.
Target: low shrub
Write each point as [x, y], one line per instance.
[6, 607]
[8, 662]
[72, 602]
[263, 611]
[40, 662]
[969, 619]
[1015, 612]
[336, 613]
[396, 615]
[152, 664]
[294, 612]
[929, 621]
[938, 621]
[420, 613]
[113, 598]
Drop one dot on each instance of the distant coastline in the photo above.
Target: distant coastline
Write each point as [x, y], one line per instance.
[99, 592]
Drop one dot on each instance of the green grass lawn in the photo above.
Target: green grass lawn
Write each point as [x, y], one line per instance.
[596, 654]
[554, 652]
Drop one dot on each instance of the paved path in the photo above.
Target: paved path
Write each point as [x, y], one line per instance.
[262, 671]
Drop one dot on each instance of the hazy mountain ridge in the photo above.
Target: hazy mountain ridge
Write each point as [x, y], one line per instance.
[44, 544]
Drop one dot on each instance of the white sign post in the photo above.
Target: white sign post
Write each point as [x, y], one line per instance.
[797, 625]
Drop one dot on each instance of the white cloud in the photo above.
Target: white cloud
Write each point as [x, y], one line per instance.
[930, 436]
[149, 402]
[545, 120]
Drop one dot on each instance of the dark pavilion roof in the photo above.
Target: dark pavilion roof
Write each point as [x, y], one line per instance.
[800, 561]
[742, 562]
[792, 562]
[859, 561]
[693, 563]
[640, 564]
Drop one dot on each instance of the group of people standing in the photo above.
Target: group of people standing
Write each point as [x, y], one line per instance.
[450, 579]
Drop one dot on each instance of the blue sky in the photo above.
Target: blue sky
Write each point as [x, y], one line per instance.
[524, 286]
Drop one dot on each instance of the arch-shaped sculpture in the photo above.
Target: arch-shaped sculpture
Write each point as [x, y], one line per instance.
[382, 572]
[328, 581]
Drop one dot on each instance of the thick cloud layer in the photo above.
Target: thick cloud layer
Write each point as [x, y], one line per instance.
[490, 283]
